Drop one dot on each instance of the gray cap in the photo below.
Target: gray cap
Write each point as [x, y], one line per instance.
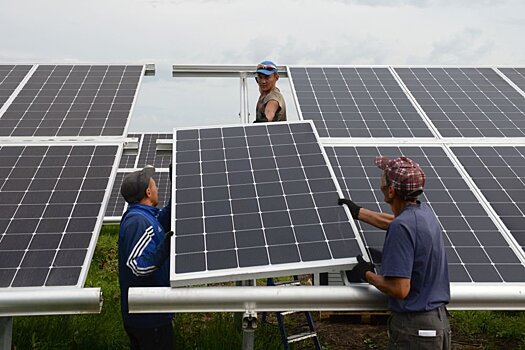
[134, 186]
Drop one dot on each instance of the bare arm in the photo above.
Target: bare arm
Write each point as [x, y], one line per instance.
[396, 287]
[271, 108]
[375, 218]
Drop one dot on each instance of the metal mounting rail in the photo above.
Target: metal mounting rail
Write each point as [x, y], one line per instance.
[465, 296]
[224, 70]
[49, 301]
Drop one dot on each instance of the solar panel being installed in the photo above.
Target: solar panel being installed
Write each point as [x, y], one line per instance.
[499, 172]
[255, 201]
[117, 205]
[477, 251]
[50, 209]
[10, 77]
[516, 75]
[356, 102]
[73, 100]
[467, 102]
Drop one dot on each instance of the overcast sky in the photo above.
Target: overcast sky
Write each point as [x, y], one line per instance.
[329, 32]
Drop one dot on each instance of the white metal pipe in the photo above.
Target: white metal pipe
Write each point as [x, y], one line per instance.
[240, 299]
[50, 301]
[222, 70]
[480, 296]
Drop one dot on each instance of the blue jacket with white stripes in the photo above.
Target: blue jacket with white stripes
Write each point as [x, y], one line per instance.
[143, 258]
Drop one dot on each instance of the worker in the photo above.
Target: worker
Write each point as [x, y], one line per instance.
[143, 247]
[270, 105]
[414, 268]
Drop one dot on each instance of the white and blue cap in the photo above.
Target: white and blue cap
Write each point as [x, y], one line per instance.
[267, 68]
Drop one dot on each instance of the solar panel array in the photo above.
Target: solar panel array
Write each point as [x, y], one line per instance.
[477, 251]
[467, 102]
[73, 100]
[255, 200]
[53, 194]
[50, 201]
[356, 102]
[499, 172]
[10, 77]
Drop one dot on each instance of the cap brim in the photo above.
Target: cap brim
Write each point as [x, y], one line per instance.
[266, 72]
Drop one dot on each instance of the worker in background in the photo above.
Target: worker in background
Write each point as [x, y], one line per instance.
[270, 106]
[414, 268]
[143, 251]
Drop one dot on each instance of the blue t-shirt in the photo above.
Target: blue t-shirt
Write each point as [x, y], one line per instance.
[414, 249]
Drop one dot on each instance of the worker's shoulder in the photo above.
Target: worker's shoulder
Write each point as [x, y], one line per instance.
[134, 218]
[274, 94]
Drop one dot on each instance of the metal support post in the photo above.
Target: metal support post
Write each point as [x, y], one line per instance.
[245, 108]
[249, 323]
[6, 333]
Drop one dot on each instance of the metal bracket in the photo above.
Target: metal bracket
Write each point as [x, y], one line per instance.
[149, 69]
[249, 324]
[249, 320]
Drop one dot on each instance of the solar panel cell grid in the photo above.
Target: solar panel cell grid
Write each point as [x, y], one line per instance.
[128, 159]
[499, 173]
[10, 77]
[467, 102]
[149, 154]
[226, 219]
[356, 102]
[476, 250]
[517, 75]
[73, 101]
[50, 199]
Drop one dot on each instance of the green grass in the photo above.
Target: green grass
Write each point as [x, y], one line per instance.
[211, 331]
[491, 329]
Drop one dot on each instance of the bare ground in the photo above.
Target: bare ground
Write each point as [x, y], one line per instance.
[369, 331]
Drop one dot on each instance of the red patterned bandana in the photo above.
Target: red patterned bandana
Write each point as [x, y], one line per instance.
[406, 175]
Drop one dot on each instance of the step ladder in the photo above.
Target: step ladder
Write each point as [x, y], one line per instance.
[289, 339]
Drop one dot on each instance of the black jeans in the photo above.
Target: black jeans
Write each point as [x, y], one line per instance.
[419, 330]
[159, 338]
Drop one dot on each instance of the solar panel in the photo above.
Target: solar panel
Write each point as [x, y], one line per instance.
[50, 211]
[477, 251]
[73, 100]
[356, 102]
[10, 77]
[117, 205]
[149, 154]
[467, 102]
[516, 75]
[255, 201]
[129, 158]
[499, 172]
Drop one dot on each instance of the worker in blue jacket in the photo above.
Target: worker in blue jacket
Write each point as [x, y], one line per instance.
[143, 258]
